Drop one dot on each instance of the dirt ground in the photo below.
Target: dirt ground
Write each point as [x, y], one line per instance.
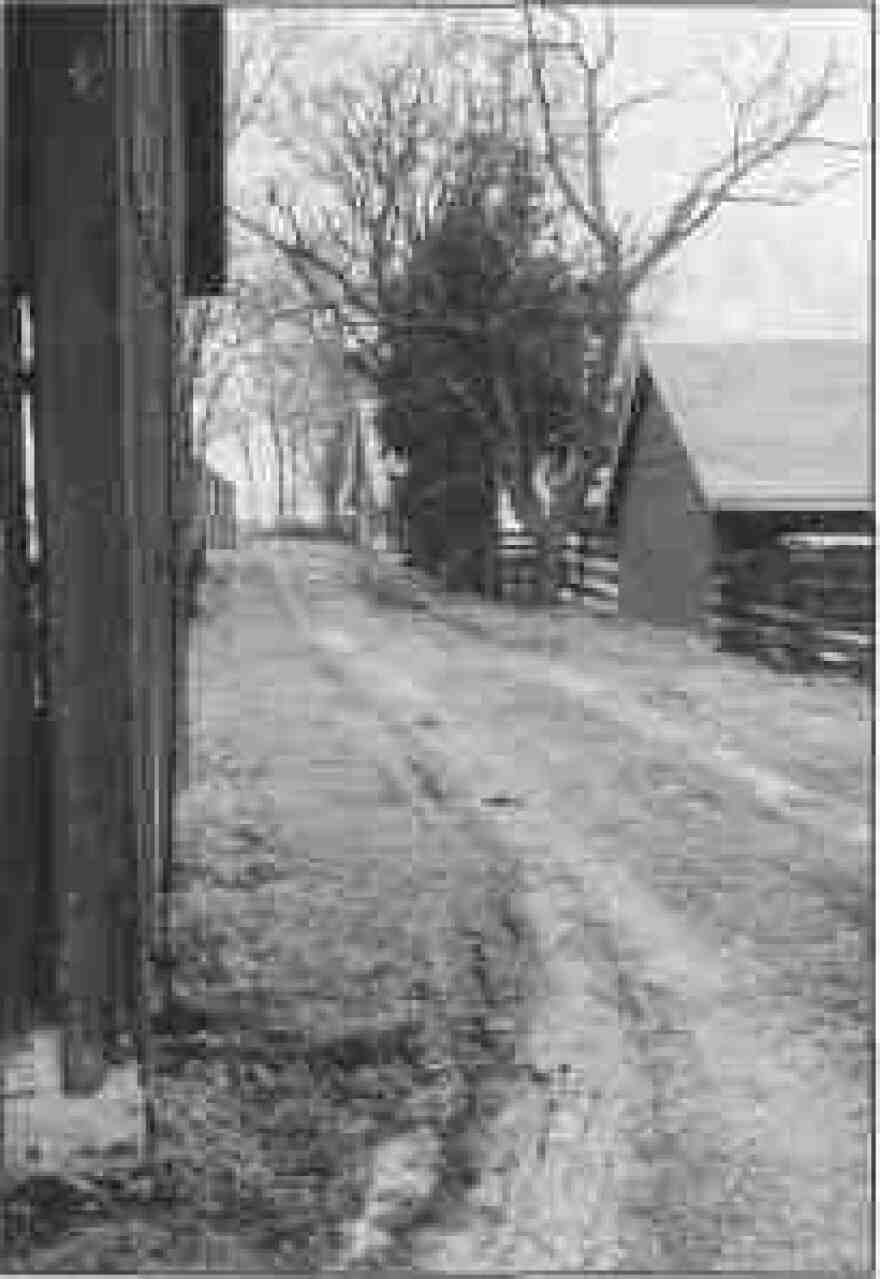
[692, 832]
[558, 929]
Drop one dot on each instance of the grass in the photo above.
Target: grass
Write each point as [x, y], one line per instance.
[337, 982]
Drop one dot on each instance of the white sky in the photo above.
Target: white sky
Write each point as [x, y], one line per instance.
[755, 272]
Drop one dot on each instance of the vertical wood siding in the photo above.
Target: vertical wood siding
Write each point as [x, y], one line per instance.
[149, 223]
[17, 861]
[105, 225]
[78, 413]
[665, 536]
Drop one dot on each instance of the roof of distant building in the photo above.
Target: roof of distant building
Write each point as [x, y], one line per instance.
[769, 425]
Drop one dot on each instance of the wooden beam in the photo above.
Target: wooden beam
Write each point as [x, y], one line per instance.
[17, 860]
[202, 54]
[77, 374]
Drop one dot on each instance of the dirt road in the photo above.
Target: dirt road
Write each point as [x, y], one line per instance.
[693, 845]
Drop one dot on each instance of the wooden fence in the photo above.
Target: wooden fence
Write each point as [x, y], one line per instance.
[803, 601]
[586, 569]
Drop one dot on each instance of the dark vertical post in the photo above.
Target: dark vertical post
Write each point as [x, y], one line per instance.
[146, 312]
[16, 698]
[78, 413]
[202, 51]
[183, 477]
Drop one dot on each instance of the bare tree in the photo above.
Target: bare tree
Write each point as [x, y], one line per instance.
[384, 152]
[772, 111]
[285, 372]
[299, 379]
[210, 331]
[389, 155]
[219, 337]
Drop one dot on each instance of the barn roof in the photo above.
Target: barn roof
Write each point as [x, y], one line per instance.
[770, 425]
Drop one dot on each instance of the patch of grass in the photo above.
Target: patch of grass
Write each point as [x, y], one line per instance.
[318, 1009]
[323, 1037]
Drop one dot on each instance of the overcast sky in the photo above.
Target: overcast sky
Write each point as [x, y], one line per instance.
[755, 272]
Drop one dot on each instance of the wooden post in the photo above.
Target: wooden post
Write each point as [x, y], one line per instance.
[77, 394]
[107, 275]
[17, 858]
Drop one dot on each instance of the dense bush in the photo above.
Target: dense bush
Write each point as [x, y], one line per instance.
[481, 262]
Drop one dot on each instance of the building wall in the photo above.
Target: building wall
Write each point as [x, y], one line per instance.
[79, 396]
[665, 535]
[18, 847]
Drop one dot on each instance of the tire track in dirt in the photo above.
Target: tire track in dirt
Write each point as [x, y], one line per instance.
[416, 774]
[774, 792]
[705, 754]
[545, 1198]
[706, 1152]
[548, 1194]
[693, 743]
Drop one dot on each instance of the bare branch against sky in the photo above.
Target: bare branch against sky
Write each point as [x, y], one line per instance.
[805, 270]
[770, 266]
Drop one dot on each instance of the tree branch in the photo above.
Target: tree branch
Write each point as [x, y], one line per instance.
[610, 116]
[589, 216]
[723, 179]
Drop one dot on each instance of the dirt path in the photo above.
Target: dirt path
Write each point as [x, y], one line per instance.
[702, 908]
[520, 945]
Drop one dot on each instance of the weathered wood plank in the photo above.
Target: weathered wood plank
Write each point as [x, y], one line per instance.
[151, 280]
[77, 369]
[202, 53]
[17, 859]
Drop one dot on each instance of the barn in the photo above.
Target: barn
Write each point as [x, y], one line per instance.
[111, 153]
[737, 451]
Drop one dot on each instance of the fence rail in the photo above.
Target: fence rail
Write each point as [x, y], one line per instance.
[799, 603]
[586, 568]
[802, 602]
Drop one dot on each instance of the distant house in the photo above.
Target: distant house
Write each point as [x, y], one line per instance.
[730, 447]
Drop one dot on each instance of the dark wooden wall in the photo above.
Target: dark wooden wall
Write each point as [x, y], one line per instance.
[92, 224]
[201, 51]
[17, 853]
[150, 220]
[665, 537]
[79, 457]
[98, 247]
